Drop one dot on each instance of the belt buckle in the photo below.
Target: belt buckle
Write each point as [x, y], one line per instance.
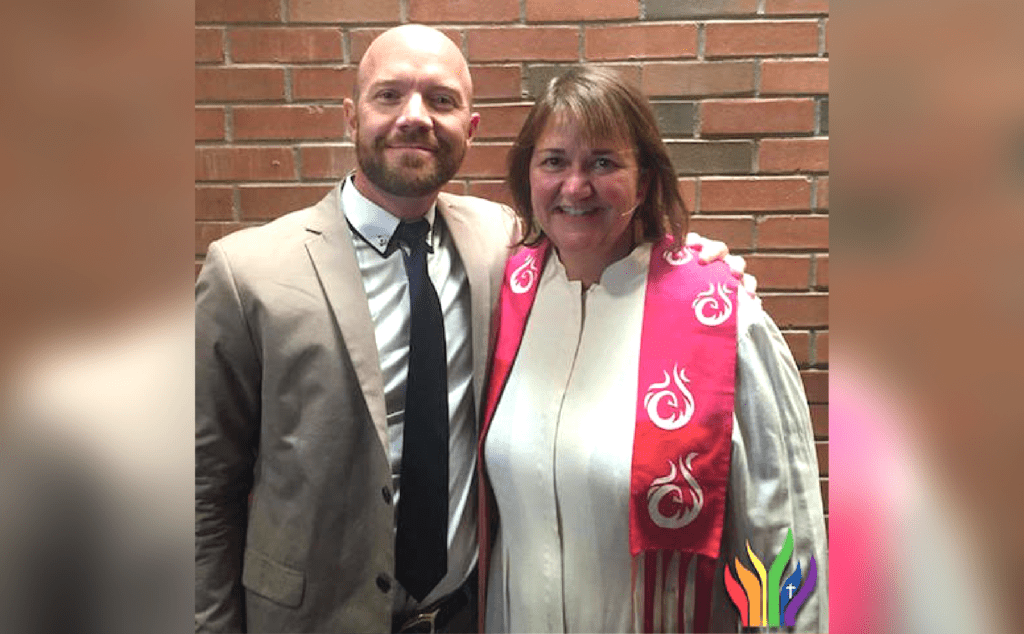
[425, 618]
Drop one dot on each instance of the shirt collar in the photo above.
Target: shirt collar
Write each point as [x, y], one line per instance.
[371, 221]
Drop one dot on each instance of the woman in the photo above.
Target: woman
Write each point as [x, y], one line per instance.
[644, 421]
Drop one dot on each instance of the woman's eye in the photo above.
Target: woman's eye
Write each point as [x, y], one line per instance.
[603, 163]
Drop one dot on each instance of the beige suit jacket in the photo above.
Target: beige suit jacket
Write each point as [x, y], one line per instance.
[290, 408]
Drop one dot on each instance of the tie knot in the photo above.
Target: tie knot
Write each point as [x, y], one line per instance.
[412, 233]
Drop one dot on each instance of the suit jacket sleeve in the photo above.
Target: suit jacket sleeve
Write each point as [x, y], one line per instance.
[227, 427]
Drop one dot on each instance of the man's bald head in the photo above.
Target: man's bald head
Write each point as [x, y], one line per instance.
[414, 41]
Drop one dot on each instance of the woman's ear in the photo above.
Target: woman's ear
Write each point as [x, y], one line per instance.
[643, 185]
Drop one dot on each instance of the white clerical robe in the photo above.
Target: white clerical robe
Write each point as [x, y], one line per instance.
[559, 450]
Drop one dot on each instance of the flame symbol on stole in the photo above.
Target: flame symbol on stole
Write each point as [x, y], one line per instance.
[527, 270]
[653, 398]
[678, 257]
[721, 309]
[662, 487]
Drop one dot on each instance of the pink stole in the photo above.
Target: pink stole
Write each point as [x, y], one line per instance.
[683, 439]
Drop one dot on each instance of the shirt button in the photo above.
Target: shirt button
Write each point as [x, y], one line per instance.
[384, 583]
[386, 494]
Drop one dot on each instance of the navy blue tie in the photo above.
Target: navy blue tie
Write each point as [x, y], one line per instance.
[421, 547]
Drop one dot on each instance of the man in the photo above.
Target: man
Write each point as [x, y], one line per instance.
[309, 364]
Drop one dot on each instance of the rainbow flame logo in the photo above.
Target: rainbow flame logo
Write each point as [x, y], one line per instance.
[755, 608]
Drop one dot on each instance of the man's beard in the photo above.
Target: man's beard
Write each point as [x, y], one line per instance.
[412, 176]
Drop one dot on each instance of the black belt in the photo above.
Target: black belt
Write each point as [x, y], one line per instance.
[438, 614]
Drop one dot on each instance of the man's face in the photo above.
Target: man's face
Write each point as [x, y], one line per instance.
[412, 124]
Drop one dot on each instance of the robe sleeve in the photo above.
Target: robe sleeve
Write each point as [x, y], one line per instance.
[774, 483]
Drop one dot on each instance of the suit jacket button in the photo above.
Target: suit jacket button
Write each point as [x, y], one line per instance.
[386, 493]
[383, 582]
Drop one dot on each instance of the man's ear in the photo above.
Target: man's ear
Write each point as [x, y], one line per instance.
[474, 121]
[351, 118]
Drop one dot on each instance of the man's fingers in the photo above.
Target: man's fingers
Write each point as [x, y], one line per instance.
[737, 264]
[750, 284]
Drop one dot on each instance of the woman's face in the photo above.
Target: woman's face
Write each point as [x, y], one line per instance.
[584, 195]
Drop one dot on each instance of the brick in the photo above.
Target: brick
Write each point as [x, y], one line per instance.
[821, 271]
[780, 272]
[821, 449]
[244, 164]
[268, 202]
[797, 310]
[711, 157]
[757, 116]
[538, 43]
[579, 10]
[327, 161]
[821, 348]
[754, 194]
[322, 83]
[819, 420]
[675, 118]
[822, 198]
[214, 203]
[209, 124]
[777, 156]
[698, 79]
[485, 160]
[644, 41]
[794, 77]
[463, 11]
[816, 386]
[796, 7]
[688, 190]
[285, 45]
[237, 11]
[491, 190]
[239, 84]
[793, 232]
[209, 45]
[359, 40]
[501, 121]
[738, 233]
[539, 75]
[744, 39]
[669, 9]
[340, 11]
[455, 187]
[798, 342]
[497, 82]
[289, 122]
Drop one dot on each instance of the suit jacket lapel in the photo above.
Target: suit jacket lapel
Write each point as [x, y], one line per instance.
[330, 249]
[475, 262]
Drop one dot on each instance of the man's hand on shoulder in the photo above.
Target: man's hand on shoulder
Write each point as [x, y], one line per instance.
[712, 250]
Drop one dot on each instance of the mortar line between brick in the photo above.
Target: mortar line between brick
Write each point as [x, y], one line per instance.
[236, 202]
[403, 11]
[285, 14]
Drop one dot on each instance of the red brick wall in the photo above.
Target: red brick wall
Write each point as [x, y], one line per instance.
[740, 87]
